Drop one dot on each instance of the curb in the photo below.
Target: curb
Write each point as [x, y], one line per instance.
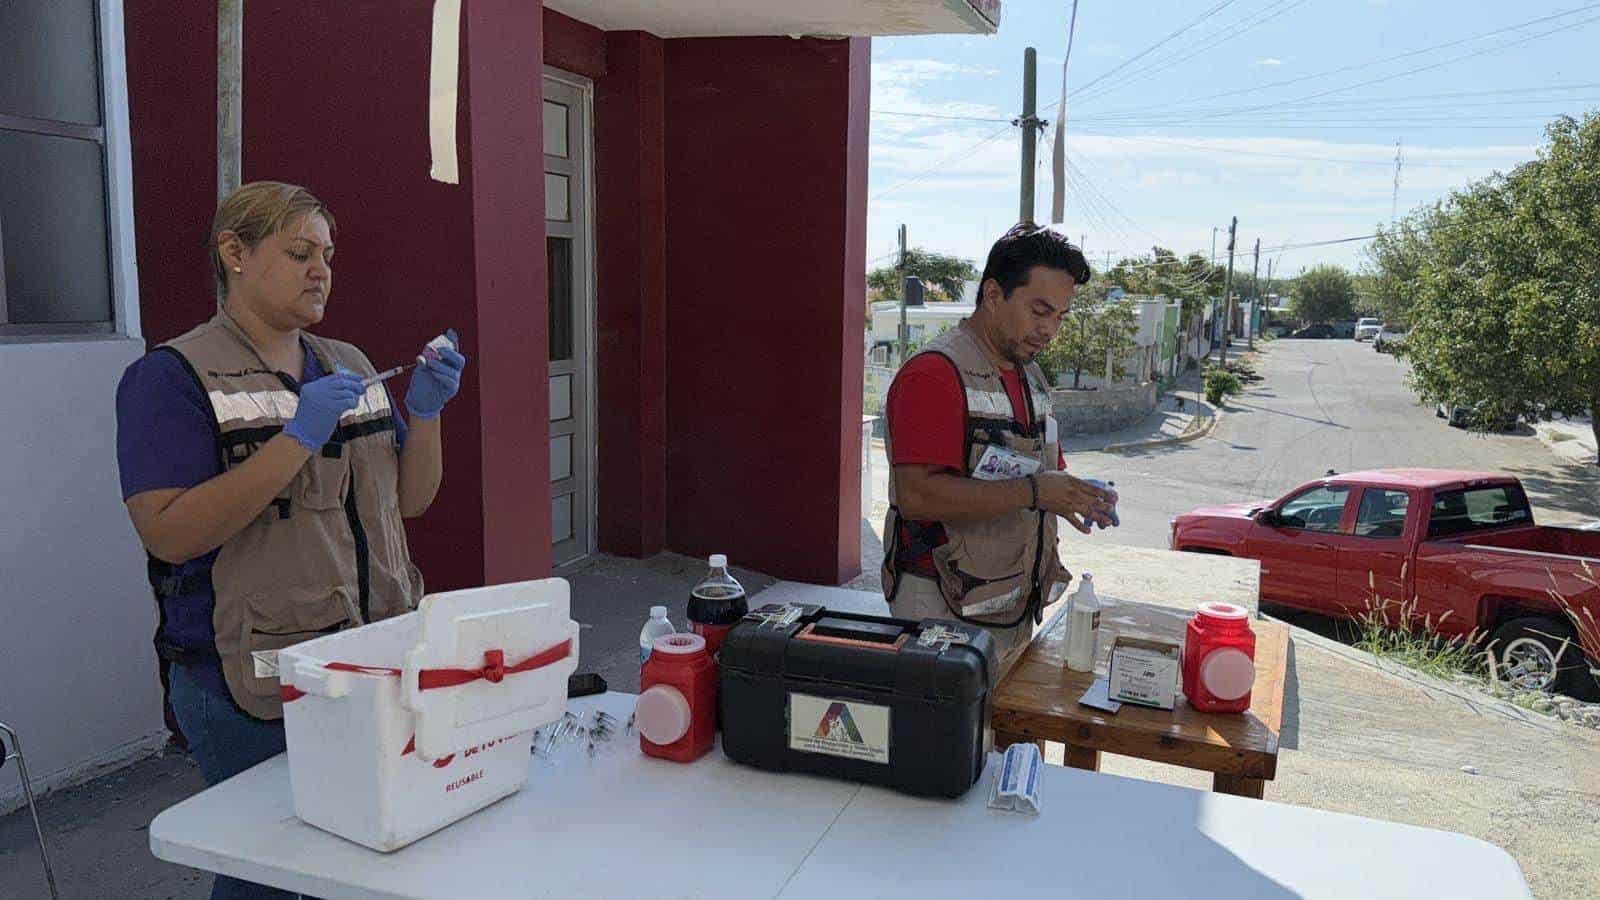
[1192, 432]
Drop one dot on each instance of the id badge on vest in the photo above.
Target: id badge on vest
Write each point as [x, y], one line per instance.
[1003, 464]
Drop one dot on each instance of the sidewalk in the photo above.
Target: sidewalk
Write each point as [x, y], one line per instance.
[1167, 424]
[1571, 440]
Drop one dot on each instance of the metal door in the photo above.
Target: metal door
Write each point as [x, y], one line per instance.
[569, 256]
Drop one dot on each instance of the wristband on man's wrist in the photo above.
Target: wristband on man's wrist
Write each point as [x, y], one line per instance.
[1033, 485]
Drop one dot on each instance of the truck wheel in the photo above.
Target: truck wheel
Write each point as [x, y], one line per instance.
[1539, 653]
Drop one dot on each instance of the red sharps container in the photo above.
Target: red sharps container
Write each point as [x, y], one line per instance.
[1219, 659]
[677, 708]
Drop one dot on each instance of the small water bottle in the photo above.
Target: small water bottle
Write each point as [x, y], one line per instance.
[1083, 626]
[1111, 486]
[657, 626]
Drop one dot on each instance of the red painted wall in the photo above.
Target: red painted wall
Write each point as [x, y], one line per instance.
[334, 105]
[765, 173]
[630, 308]
[174, 159]
[506, 112]
[577, 47]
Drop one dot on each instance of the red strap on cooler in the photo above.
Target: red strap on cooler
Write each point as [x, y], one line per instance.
[494, 670]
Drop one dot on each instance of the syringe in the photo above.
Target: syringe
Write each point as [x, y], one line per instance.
[371, 380]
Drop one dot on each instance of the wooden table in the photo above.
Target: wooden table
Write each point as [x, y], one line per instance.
[1038, 699]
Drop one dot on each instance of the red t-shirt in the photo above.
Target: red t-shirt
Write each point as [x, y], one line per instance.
[927, 410]
[927, 413]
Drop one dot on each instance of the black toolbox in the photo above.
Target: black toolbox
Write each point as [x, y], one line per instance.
[880, 700]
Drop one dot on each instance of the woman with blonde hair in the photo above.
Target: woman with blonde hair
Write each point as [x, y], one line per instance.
[267, 473]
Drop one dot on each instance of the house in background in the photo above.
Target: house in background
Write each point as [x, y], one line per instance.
[924, 322]
[614, 156]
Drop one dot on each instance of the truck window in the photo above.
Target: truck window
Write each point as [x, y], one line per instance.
[1382, 513]
[1318, 509]
[1478, 509]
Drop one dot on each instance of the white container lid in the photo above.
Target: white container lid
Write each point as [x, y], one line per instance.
[1218, 610]
[658, 612]
[662, 714]
[1228, 673]
[719, 561]
[681, 644]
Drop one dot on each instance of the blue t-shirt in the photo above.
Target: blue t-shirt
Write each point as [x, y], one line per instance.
[165, 440]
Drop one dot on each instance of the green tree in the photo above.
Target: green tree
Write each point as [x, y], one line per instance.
[1323, 294]
[943, 274]
[1091, 327]
[1506, 298]
[1393, 260]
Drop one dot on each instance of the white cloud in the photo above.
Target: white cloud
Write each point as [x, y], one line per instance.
[899, 72]
[1269, 61]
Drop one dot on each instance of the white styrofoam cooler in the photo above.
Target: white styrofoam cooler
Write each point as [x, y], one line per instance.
[399, 728]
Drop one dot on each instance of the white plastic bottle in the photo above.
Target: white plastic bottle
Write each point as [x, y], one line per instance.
[1083, 626]
[657, 626]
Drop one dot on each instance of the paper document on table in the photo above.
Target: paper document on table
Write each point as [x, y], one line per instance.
[1098, 696]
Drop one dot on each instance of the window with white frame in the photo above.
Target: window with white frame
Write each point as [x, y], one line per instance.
[61, 223]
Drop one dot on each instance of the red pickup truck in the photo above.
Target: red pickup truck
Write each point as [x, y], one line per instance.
[1462, 545]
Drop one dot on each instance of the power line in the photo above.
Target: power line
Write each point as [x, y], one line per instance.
[1238, 29]
[917, 115]
[1229, 151]
[1375, 62]
[941, 164]
[1156, 46]
[1419, 69]
[1350, 124]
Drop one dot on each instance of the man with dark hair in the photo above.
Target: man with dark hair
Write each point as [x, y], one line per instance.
[977, 480]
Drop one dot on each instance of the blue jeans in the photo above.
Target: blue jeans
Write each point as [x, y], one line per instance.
[224, 741]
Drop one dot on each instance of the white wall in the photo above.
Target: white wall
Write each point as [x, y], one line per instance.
[77, 671]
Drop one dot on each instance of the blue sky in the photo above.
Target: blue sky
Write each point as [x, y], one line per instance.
[1155, 159]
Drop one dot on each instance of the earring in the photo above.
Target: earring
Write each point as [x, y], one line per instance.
[237, 269]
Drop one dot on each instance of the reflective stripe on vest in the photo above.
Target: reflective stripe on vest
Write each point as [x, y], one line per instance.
[232, 407]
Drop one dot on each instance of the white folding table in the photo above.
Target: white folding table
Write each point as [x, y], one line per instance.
[622, 825]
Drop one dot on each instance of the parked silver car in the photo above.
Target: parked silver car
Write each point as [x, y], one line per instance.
[1367, 329]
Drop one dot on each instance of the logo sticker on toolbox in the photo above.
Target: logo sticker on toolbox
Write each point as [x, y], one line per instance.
[775, 615]
[943, 636]
[843, 728]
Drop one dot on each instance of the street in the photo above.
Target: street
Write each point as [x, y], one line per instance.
[1322, 404]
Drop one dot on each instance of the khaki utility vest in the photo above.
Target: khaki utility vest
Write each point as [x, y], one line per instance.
[330, 551]
[999, 572]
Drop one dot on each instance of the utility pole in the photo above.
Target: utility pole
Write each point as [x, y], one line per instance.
[1255, 303]
[1213, 245]
[1227, 295]
[905, 332]
[1030, 129]
[1269, 276]
[1394, 201]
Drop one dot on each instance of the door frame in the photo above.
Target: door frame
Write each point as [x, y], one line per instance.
[584, 274]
